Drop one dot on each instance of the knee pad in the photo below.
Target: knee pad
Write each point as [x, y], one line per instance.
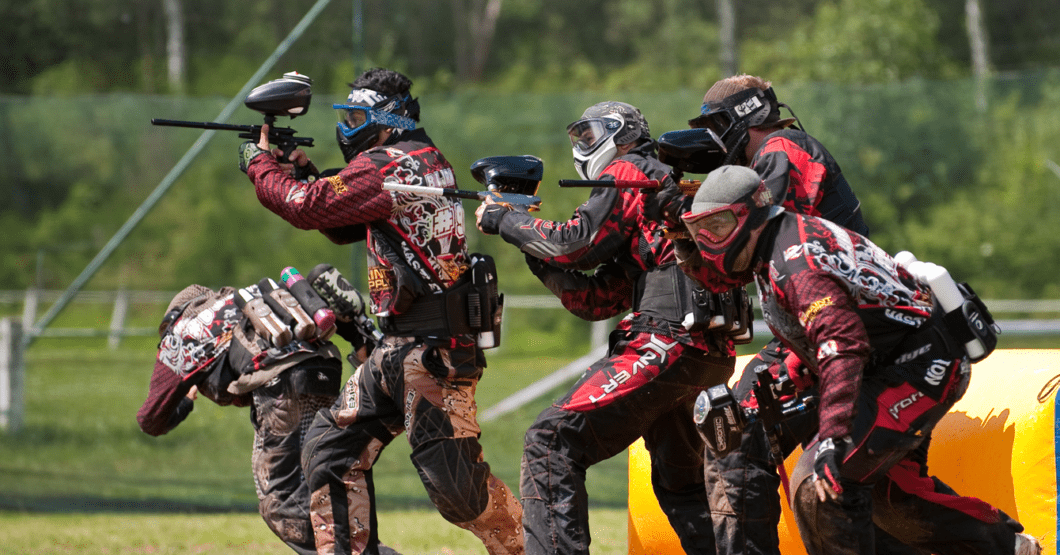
[456, 479]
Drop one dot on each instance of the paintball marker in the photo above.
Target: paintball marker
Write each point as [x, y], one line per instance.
[721, 419]
[288, 96]
[531, 203]
[616, 183]
[509, 181]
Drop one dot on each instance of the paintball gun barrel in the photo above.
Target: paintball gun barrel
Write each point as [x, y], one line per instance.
[288, 96]
[616, 183]
[530, 202]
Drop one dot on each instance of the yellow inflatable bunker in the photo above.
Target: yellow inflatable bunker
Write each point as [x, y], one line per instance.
[1000, 443]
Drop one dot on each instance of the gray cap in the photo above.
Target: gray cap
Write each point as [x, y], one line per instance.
[724, 186]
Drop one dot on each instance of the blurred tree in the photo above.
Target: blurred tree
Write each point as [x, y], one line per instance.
[856, 41]
[472, 42]
[176, 47]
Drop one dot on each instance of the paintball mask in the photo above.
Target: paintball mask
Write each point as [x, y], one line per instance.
[730, 118]
[366, 114]
[595, 137]
[728, 209]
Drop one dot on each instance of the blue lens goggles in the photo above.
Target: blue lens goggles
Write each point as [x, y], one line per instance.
[353, 119]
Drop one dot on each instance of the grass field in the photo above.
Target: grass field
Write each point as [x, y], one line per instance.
[412, 532]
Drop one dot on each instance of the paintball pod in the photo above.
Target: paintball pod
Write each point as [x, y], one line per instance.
[722, 420]
[346, 303]
[288, 96]
[509, 180]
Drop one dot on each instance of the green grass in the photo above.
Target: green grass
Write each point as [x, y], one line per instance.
[411, 532]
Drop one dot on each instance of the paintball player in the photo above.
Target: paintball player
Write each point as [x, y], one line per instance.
[887, 360]
[421, 379]
[744, 113]
[647, 383]
[205, 348]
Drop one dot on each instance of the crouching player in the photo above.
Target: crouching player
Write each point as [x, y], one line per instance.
[212, 344]
[887, 360]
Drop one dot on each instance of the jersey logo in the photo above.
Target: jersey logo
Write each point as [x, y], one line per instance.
[814, 309]
[337, 185]
[748, 106]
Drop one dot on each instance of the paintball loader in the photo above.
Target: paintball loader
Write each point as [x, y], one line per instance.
[509, 181]
[288, 96]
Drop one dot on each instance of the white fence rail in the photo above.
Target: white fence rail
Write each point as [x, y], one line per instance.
[13, 332]
[32, 299]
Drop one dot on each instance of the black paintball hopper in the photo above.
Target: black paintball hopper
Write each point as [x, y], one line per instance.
[288, 96]
[692, 150]
[509, 174]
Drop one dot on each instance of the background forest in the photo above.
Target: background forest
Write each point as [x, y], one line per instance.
[942, 114]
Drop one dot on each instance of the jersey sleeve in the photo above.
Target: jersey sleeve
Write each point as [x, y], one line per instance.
[606, 293]
[353, 196]
[599, 229]
[164, 407]
[828, 314]
[791, 172]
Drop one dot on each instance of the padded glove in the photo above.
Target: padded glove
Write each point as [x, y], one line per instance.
[490, 223]
[826, 464]
[247, 152]
[667, 205]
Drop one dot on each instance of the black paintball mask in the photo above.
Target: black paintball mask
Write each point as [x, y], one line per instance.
[367, 113]
[730, 118]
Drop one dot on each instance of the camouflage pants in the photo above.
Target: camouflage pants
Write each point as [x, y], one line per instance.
[404, 386]
[282, 412]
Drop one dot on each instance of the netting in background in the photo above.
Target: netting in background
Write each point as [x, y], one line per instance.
[79, 166]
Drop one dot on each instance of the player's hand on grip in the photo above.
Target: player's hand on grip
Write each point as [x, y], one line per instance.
[826, 467]
[489, 214]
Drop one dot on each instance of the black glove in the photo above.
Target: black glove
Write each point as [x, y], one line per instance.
[667, 205]
[490, 223]
[830, 455]
[685, 249]
[247, 152]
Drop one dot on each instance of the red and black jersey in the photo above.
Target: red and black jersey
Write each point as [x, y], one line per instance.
[797, 168]
[609, 233]
[835, 299]
[414, 242]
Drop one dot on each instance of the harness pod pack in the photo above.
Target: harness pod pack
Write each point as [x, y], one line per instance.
[729, 314]
[966, 316]
[207, 335]
[472, 306]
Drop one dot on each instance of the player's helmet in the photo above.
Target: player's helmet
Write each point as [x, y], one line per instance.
[379, 100]
[730, 114]
[595, 137]
[731, 204]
